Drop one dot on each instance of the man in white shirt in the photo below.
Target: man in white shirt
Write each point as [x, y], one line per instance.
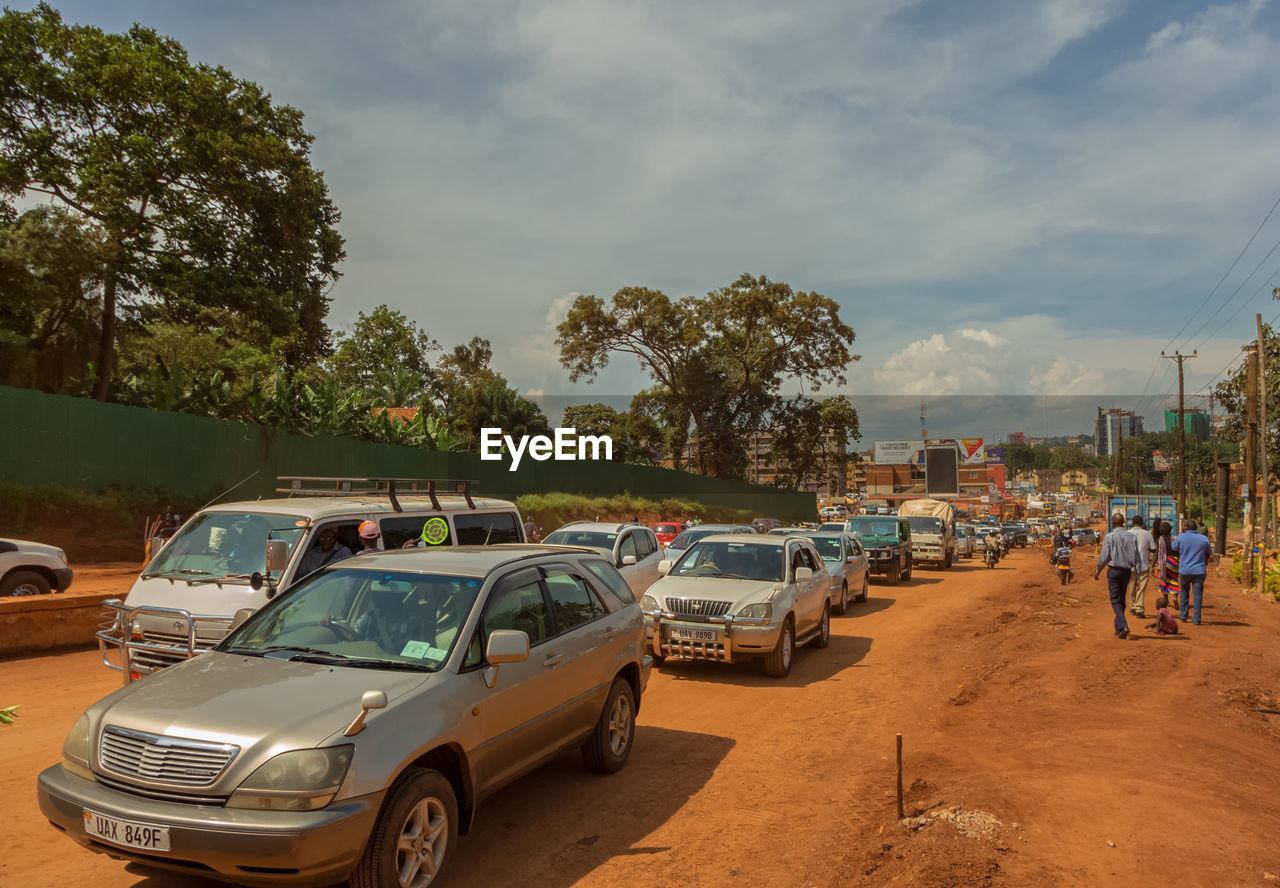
[1146, 556]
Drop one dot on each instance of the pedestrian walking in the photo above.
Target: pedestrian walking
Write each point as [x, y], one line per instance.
[1146, 556]
[1119, 555]
[1193, 552]
[1166, 562]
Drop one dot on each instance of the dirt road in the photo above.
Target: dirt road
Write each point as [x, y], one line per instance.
[1040, 750]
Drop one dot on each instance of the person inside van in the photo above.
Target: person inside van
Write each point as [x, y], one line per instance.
[327, 550]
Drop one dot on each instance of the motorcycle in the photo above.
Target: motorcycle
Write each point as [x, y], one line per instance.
[1062, 562]
[990, 557]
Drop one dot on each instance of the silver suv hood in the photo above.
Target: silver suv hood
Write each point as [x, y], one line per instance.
[261, 705]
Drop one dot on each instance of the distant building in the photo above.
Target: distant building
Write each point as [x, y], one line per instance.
[1112, 426]
[1017, 438]
[1194, 421]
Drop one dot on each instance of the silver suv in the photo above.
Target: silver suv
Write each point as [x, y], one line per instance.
[350, 727]
[633, 548]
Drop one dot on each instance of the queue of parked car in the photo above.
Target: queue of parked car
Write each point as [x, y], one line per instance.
[321, 687]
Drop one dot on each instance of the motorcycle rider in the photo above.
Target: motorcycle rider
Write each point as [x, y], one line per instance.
[991, 548]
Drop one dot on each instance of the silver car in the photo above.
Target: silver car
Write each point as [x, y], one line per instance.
[846, 563]
[734, 597]
[681, 543]
[350, 727]
[965, 540]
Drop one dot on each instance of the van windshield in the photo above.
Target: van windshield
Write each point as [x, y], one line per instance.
[224, 546]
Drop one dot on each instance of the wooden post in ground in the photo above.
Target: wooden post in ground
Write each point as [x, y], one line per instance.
[901, 812]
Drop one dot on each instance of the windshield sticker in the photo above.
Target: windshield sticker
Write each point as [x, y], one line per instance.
[422, 651]
[435, 531]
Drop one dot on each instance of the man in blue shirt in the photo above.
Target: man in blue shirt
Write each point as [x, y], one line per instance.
[1193, 552]
[1120, 556]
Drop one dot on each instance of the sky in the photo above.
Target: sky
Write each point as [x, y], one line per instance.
[1006, 197]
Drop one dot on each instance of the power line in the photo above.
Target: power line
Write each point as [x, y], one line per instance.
[1188, 321]
[1227, 301]
[1261, 287]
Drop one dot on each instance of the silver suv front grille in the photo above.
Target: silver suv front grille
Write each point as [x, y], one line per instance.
[701, 607]
[161, 759]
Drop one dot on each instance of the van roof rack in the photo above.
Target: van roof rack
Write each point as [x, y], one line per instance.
[392, 488]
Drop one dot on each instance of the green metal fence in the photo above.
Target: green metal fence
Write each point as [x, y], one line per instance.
[77, 442]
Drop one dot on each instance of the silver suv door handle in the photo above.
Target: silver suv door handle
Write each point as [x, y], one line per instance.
[552, 660]
[609, 632]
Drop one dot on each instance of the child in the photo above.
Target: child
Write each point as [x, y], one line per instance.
[1165, 624]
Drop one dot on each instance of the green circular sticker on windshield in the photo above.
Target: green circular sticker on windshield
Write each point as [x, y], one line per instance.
[435, 531]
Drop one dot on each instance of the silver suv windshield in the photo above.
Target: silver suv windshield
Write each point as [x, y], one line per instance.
[735, 561]
[370, 618]
[828, 547]
[601, 542]
[226, 546]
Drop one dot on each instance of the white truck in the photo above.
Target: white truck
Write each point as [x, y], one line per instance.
[933, 531]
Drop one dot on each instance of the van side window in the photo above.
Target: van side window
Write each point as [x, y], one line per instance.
[400, 530]
[485, 529]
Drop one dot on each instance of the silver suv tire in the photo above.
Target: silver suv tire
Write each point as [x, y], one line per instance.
[415, 834]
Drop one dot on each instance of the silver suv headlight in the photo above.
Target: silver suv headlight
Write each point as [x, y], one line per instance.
[300, 780]
[760, 611]
[75, 750]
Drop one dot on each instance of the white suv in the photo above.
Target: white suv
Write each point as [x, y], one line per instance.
[28, 568]
[632, 548]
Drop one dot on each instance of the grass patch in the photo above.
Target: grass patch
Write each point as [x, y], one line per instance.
[107, 525]
[551, 510]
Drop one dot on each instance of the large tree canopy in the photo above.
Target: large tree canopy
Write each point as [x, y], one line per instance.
[202, 188]
[721, 357]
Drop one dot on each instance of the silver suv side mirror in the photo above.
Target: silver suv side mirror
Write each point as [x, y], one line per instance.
[804, 573]
[505, 646]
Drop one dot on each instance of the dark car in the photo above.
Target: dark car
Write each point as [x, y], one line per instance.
[1017, 533]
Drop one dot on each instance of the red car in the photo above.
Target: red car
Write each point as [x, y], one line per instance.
[666, 532]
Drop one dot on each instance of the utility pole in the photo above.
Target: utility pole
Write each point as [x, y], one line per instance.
[1262, 449]
[1182, 436]
[1250, 450]
[1119, 447]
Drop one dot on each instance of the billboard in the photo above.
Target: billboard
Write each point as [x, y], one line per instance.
[995, 455]
[974, 454]
[941, 470]
[895, 453]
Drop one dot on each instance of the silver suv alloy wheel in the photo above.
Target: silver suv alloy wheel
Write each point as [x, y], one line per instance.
[621, 721]
[424, 838]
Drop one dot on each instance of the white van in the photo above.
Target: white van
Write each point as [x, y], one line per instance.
[236, 556]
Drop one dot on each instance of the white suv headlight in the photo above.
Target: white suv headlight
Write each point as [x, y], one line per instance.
[760, 611]
[300, 780]
[648, 603]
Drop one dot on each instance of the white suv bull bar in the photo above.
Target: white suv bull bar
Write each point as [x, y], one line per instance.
[181, 644]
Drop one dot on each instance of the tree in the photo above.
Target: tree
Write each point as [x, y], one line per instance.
[720, 358]
[202, 188]
[1230, 394]
[49, 265]
[811, 440]
[634, 437]
[384, 353]
[1068, 457]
